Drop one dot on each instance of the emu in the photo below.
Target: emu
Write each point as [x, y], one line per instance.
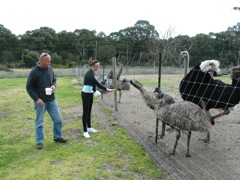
[199, 87]
[108, 82]
[181, 116]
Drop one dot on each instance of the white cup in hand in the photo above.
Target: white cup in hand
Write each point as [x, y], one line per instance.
[48, 91]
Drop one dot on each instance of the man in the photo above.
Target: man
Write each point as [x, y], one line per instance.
[41, 77]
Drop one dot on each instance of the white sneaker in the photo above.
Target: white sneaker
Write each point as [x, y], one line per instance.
[91, 130]
[86, 135]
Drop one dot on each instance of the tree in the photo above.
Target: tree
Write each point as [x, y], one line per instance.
[8, 44]
[40, 40]
[105, 54]
[30, 58]
[85, 43]
[56, 59]
[166, 46]
[66, 47]
[202, 48]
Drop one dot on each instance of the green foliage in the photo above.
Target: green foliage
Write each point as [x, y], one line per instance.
[140, 45]
[56, 58]
[30, 58]
[4, 68]
[105, 54]
[105, 156]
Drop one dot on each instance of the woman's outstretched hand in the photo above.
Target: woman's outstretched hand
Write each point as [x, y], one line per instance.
[110, 90]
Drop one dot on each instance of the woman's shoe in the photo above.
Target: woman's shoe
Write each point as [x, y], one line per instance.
[86, 135]
[91, 130]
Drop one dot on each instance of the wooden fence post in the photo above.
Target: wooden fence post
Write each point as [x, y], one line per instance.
[115, 82]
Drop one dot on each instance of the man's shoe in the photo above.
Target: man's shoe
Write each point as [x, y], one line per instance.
[86, 135]
[91, 130]
[39, 145]
[61, 140]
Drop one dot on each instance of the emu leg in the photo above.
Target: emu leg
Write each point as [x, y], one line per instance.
[188, 144]
[163, 130]
[178, 135]
[206, 137]
[120, 95]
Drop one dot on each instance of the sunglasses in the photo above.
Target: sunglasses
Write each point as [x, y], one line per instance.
[46, 54]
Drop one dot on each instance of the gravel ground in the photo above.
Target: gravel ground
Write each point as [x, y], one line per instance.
[218, 159]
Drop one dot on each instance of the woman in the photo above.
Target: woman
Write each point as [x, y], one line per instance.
[89, 87]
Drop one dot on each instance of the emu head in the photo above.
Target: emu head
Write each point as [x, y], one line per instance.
[126, 80]
[159, 92]
[135, 83]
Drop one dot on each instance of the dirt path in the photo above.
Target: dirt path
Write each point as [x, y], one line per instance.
[219, 159]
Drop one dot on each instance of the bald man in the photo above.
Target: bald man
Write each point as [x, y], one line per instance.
[42, 76]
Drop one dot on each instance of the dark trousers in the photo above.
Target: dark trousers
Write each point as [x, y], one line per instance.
[87, 101]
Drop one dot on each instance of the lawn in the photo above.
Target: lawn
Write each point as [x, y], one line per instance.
[105, 156]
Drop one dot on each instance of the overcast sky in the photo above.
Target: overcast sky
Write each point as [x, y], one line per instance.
[187, 17]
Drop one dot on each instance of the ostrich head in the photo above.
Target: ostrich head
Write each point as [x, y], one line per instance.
[210, 65]
[235, 72]
[184, 54]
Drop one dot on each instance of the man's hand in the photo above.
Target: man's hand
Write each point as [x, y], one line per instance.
[53, 88]
[39, 102]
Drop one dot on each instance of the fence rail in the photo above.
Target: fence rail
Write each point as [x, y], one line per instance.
[102, 73]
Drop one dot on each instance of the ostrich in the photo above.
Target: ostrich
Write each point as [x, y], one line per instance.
[199, 87]
[185, 54]
[181, 116]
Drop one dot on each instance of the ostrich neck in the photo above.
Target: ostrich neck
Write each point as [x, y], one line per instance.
[186, 64]
[236, 82]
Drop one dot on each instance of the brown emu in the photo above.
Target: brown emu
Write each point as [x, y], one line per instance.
[181, 116]
[108, 82]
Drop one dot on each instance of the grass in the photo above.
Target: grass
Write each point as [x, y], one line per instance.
[103, 156]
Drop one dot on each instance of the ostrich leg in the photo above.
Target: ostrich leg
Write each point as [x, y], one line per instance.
[225, 112]
[188, 144]
[212, 118]
[178, 135]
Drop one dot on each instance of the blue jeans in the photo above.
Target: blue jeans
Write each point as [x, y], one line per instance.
[53, 111]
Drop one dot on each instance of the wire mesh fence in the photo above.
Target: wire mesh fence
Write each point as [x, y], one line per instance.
[216, 159]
